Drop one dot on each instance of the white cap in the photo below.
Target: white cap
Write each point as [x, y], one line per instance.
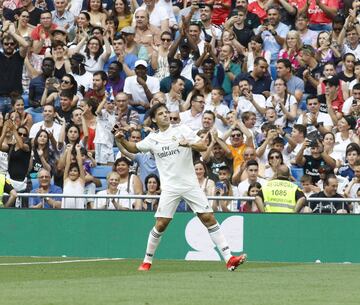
[141, 62]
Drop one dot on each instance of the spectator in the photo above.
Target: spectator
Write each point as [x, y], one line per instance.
[42, 155]
[96, 12]
[158, 16]
[352, 155]
[206, 184]
[116, 79]
[12, 62]
[9, 190]
[330, 191]
[62, 63]
[45, 187]
[41, 33]
[253, 191]
[37, 84]
[141, 87]
[152, 188]
[252, 20]
[23, 27]
[104, 138]
[175, 68]
[292, 48]
[121, 10]
[74, 179]
[82, 77]
[159, 56]
[89, 107]
[17, 103]
[61, 16]
[325, 50]
[307, 36]
[129, 184]
[192, 117]
[352, 189]
[112, 180]
[351, 33]
[99, 82]
[48, 123]
[211, 30]
[174, 101]
[34, 12]
[255, 51]
[252, 170]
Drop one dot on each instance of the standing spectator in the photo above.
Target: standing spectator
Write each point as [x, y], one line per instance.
[320, 13]
[209, 28]
[74, 179]
[17, 104]
[350, 31]
[104, 138]
[11, 62]
[219, 108]
[192, 117]
[23, 28]
[325, 50]
[159, 56]
[45, 187]
[255, 51]
[252, 20]
[141, 87]
[174, 101]
[37, 84]
[89, 107]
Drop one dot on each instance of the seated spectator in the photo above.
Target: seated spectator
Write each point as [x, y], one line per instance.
[302, 27]
[249, 206]
[206, 184]
[98, 90]
[61, 16]
[291, 49]
[192, 117]
[45, 187]
[352, 189]
[74, 179]
[115, 83]
[96, 12]
[122, 11]
[126, 117]
[327, 207]
[41, 33]
[308, 186]
[112, 180]
[325, 50]
[275, 159]
[42, 154]
[347, 74]
[129, 184]
[48, 123]
[141, 87]
[9, 190]
[224, 188]
[152, 188]
[65, 109]
[104, 138]
[174, 101]
[17, 103]
[219, 108]
[352, 156]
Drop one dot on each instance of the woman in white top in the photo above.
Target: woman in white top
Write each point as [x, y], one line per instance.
[112, 180]
[129, 184]
[206, 184]
[329, 143]
[96, 56]
[203, 86]
[345, 135]
[256, 50]
[275, 158]
[159, 57]
[74, 180]
[284, 104]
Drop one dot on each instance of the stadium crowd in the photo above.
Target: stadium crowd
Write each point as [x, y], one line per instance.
[264, 83]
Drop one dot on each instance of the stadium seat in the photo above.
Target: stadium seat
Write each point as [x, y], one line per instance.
[35, 183]
[103, 185]
[101, 171]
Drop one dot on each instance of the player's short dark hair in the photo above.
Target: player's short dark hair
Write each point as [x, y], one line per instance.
[153, 110]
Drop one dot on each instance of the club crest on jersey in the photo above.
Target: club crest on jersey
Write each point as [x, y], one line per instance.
[174, 138]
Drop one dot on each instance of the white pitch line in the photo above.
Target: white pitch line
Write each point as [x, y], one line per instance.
[61, 262]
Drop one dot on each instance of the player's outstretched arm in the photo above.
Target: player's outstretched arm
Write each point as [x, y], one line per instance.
[129, 146]
[198, 146]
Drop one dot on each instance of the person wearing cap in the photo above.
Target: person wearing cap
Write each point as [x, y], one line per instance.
[130, 47]
[279, 195]
[141, 87]
[61, 16]
[332, 101]
[83, 78]
[310, 70]
[41, 33]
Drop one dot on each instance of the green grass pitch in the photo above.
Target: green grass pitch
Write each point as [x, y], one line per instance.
[175, 282]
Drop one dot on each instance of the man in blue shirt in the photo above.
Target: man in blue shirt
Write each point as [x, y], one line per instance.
[45, 187]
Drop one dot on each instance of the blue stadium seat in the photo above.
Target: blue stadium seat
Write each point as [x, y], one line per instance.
[35, 183]
[101, 171]
[103, 185]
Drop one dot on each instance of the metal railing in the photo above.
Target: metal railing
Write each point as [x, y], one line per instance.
[94, 197]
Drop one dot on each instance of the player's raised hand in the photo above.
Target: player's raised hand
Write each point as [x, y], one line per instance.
[184, 143]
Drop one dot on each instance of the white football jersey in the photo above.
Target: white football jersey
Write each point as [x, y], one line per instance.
[175, 163]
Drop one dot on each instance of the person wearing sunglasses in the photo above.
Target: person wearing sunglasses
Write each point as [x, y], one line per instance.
[159, 56]
[11, 63]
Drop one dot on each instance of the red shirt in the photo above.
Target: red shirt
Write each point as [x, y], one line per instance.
[35, 35]
[220, 13]
[255, 8]
[317, 15]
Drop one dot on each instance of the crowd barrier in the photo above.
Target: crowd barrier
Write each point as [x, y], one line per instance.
[104, 233]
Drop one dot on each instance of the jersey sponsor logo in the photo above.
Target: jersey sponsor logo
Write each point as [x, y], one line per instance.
[166, 152]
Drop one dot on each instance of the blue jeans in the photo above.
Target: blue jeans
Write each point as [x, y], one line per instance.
[5, 104]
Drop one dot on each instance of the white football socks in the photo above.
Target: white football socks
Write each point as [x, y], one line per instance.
[152, 244]
[219, 240]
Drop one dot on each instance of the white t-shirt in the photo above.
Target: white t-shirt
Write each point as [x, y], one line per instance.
[55, 129]
[244, 186]
[104, 203]
[104, 125]
[157, 15]
[84, 80]
[174, 162]
[245, 105]
[194, 122]
[131, 86]
[347, 105]
[322, 118]
[290, 101]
